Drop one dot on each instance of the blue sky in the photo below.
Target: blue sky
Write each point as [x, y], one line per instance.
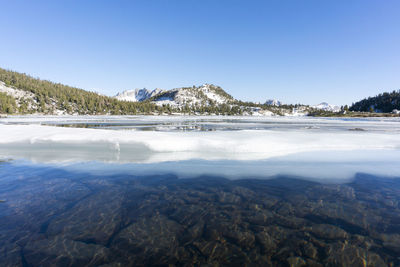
[297, 51]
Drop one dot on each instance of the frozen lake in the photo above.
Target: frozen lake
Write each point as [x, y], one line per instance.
[140, 190]
[315, 148]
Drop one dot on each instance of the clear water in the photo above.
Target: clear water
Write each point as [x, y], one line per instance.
[63, 203]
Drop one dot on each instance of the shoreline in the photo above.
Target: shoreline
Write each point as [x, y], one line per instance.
[322, 115]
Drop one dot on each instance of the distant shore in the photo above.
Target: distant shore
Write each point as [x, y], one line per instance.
[317, 115]
[356, 115]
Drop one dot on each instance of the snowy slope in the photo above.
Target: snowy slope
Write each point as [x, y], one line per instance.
[136, 95]
[16, 93]
[205, 95]
[20, 96]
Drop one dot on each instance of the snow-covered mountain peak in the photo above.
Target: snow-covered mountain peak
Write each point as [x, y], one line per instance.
[327, 107]
[204, 95]
[273, 102]
[135, 95]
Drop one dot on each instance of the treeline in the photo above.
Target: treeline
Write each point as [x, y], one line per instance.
[385, 102]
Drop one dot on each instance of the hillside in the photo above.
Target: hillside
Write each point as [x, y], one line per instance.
[385, 102]
[205, 95]
[137, 95]
[23, 94]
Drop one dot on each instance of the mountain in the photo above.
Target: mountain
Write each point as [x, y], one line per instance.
[23, 94]
[136, 95]
[327, 107]
[204, 95]
[385, 102]
[273, 102]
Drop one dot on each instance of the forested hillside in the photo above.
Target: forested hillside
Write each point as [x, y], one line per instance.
[385, 102]
[28, 95]
[23, 94]
[7, 104]
[49, 97]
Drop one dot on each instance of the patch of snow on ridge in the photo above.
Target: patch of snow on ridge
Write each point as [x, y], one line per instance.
[16, 93]
[20, 96]
[206, 88]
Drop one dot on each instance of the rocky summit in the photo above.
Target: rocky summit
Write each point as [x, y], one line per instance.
[204, 95]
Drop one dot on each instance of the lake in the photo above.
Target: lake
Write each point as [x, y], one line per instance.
[199, 191]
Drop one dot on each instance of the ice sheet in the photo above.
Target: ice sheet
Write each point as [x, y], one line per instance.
[126, 146]
[330, 151]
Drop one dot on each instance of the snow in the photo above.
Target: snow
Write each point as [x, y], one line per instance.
[260, 112]
[177, 97]
[212, 95]
[19, 95]
[246, 144]
[137, 94]
[316, 148]
[327, 107]
[273, 102]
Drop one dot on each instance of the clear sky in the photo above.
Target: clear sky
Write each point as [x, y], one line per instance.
[297, 51]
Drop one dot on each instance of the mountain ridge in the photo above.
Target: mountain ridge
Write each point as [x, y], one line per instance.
[23, 94]
[137, 95]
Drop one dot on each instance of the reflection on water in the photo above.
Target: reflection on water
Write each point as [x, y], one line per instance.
[50, 216]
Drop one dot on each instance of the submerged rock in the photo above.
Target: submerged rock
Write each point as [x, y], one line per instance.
[327, 231]
[64, 252]
[126, 221]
